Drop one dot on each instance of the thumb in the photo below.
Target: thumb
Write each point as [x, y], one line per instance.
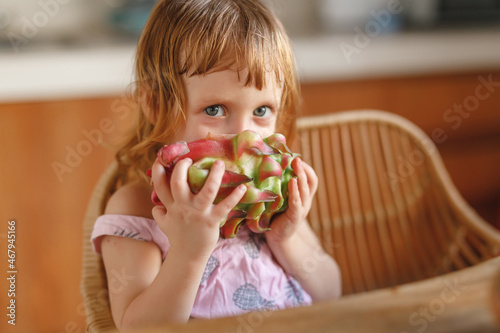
[158, 212]
[161, 180]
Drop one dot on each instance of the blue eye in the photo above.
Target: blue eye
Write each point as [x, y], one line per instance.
[262, 111]
[214, 111]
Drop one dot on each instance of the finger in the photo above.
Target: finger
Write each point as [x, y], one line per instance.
[312, 178]
[225, 206]
[294, 197]
[209, 191]
[303, 185]
[294, 200]
[179, 181]
[160, 182]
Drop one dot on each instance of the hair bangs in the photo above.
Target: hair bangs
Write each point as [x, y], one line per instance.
[228, 41]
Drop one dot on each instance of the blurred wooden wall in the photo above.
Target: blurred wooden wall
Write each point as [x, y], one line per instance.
[48, 205]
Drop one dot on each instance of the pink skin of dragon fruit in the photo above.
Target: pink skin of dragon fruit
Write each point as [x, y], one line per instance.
[263, 165]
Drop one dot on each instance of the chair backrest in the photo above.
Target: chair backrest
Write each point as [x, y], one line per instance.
[93, 285]
[386, 208]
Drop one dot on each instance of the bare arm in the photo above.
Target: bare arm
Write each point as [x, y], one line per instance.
[159, 292]
[143, 290]
[294, 244]
[302, 256]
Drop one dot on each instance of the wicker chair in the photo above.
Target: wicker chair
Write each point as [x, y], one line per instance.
[387, 211]
[386, 208]
[93, 285]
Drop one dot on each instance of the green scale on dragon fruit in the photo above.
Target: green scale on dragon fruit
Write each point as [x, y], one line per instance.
[264, 165]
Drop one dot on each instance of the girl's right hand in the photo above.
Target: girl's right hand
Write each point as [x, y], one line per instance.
[191, 221]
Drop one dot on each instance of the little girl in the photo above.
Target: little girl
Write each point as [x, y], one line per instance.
[222, 67]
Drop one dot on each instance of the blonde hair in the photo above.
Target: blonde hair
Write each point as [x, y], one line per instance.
[193, 38]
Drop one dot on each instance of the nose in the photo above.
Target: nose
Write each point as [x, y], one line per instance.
[241, 123]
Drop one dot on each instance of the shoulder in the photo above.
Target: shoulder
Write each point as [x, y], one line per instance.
[131, 199]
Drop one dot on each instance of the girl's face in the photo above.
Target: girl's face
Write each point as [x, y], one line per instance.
[219, 103]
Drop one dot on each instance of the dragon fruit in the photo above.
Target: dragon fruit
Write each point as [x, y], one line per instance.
[263, 165]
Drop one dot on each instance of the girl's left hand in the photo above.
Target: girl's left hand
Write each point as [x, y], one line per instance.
[301, 193]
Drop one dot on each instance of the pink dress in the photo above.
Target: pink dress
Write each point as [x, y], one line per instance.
[240, 276]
